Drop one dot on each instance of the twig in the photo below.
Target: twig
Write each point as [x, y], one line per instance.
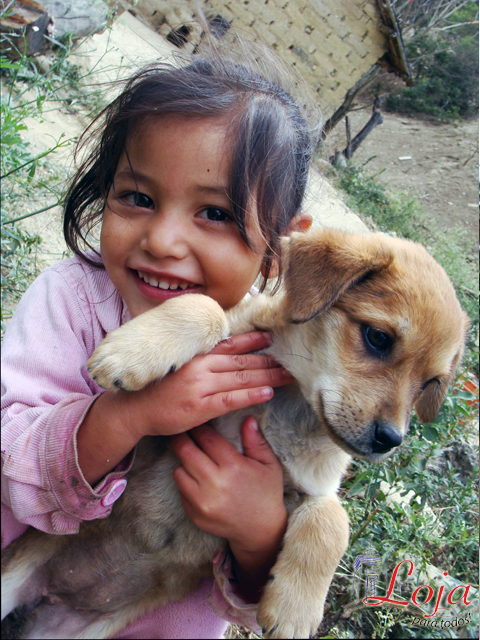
[355, 536]
[40, 155]
[470, 157]
[469, 291]
[33, 213]
[349, 97]
[348, 148]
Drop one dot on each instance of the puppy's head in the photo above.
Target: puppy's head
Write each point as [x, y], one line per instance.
[385, 330]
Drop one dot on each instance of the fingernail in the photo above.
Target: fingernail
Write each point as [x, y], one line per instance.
[268, 336]
[254, 425]
[217, 557]
[267, 392]
[285, 373]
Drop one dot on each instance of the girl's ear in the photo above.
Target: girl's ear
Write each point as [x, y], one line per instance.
[300, 223]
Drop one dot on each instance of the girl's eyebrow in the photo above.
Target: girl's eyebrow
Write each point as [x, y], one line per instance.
[138, 176]
[211, 189]
[135, 175]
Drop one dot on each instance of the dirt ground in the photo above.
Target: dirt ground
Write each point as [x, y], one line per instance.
[437, 164]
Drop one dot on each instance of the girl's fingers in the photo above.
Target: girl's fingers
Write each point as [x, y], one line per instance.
[244, 343]
[194, 461]
[206, 446]
[222, 363]
[184, 480]
[222, 403]
[247, 379]
[255, 445]
[213, 444]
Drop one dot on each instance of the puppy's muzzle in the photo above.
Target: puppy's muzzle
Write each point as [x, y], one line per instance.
[385, 437]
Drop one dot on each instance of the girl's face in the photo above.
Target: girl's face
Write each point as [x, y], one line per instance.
[166, 226]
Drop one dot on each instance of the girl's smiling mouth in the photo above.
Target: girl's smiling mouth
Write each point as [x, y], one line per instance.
[164, 282]
[162, 287]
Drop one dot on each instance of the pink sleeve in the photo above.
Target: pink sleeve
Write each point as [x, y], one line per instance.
[46, 392]
[225, 602]
[202, 613]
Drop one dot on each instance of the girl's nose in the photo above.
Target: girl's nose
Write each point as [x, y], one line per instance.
[165, 236]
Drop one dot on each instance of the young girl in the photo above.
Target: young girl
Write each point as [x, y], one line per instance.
[197, 172]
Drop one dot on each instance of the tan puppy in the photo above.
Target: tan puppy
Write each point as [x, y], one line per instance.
[369, 326]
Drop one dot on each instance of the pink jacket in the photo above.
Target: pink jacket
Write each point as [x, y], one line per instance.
[46, 392]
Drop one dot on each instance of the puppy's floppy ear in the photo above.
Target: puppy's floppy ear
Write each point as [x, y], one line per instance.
[322, 264]
[431, 399]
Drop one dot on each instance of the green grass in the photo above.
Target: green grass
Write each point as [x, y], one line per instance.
[438, 527]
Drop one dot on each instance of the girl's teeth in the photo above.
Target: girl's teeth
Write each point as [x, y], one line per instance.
[162, 284]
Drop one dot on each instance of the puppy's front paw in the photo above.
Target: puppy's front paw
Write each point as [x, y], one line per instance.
[158, 342]
[112, 366]
[125, 360]
[285, 611]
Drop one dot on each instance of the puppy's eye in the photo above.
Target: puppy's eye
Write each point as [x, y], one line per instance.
[378, 343]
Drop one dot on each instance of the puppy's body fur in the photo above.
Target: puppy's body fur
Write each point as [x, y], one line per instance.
[348, 399]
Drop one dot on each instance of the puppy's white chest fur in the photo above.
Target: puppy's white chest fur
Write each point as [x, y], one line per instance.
[314, 464]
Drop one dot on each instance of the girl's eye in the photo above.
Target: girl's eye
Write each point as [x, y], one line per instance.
[138, 199]
[215, 215]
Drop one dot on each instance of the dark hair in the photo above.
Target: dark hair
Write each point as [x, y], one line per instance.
[270, 142]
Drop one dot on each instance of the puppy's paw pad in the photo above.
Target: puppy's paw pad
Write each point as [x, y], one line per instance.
[113, 370]
[282, 615]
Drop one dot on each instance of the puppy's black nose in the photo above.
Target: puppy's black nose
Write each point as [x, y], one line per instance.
[385, 438]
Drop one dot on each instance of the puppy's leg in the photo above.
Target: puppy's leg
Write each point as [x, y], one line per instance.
[57, 621]
[157, 342]
[23, 578]
[315, 541]
[260, 312]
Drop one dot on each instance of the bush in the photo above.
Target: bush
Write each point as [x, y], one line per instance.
[446, 79]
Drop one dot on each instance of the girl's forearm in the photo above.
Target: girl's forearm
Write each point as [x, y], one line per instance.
[107, 434]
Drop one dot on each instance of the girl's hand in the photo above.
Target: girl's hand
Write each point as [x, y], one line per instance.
[226, 379]
[234, 496]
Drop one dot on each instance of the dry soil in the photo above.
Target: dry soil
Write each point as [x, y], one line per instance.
[437, 164]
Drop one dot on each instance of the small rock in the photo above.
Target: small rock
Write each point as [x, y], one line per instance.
[79, 18]
[461, 456]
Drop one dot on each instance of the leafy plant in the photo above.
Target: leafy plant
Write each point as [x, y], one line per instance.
[442, 49]
[446, 79]
[19, 251]
[27, 89]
